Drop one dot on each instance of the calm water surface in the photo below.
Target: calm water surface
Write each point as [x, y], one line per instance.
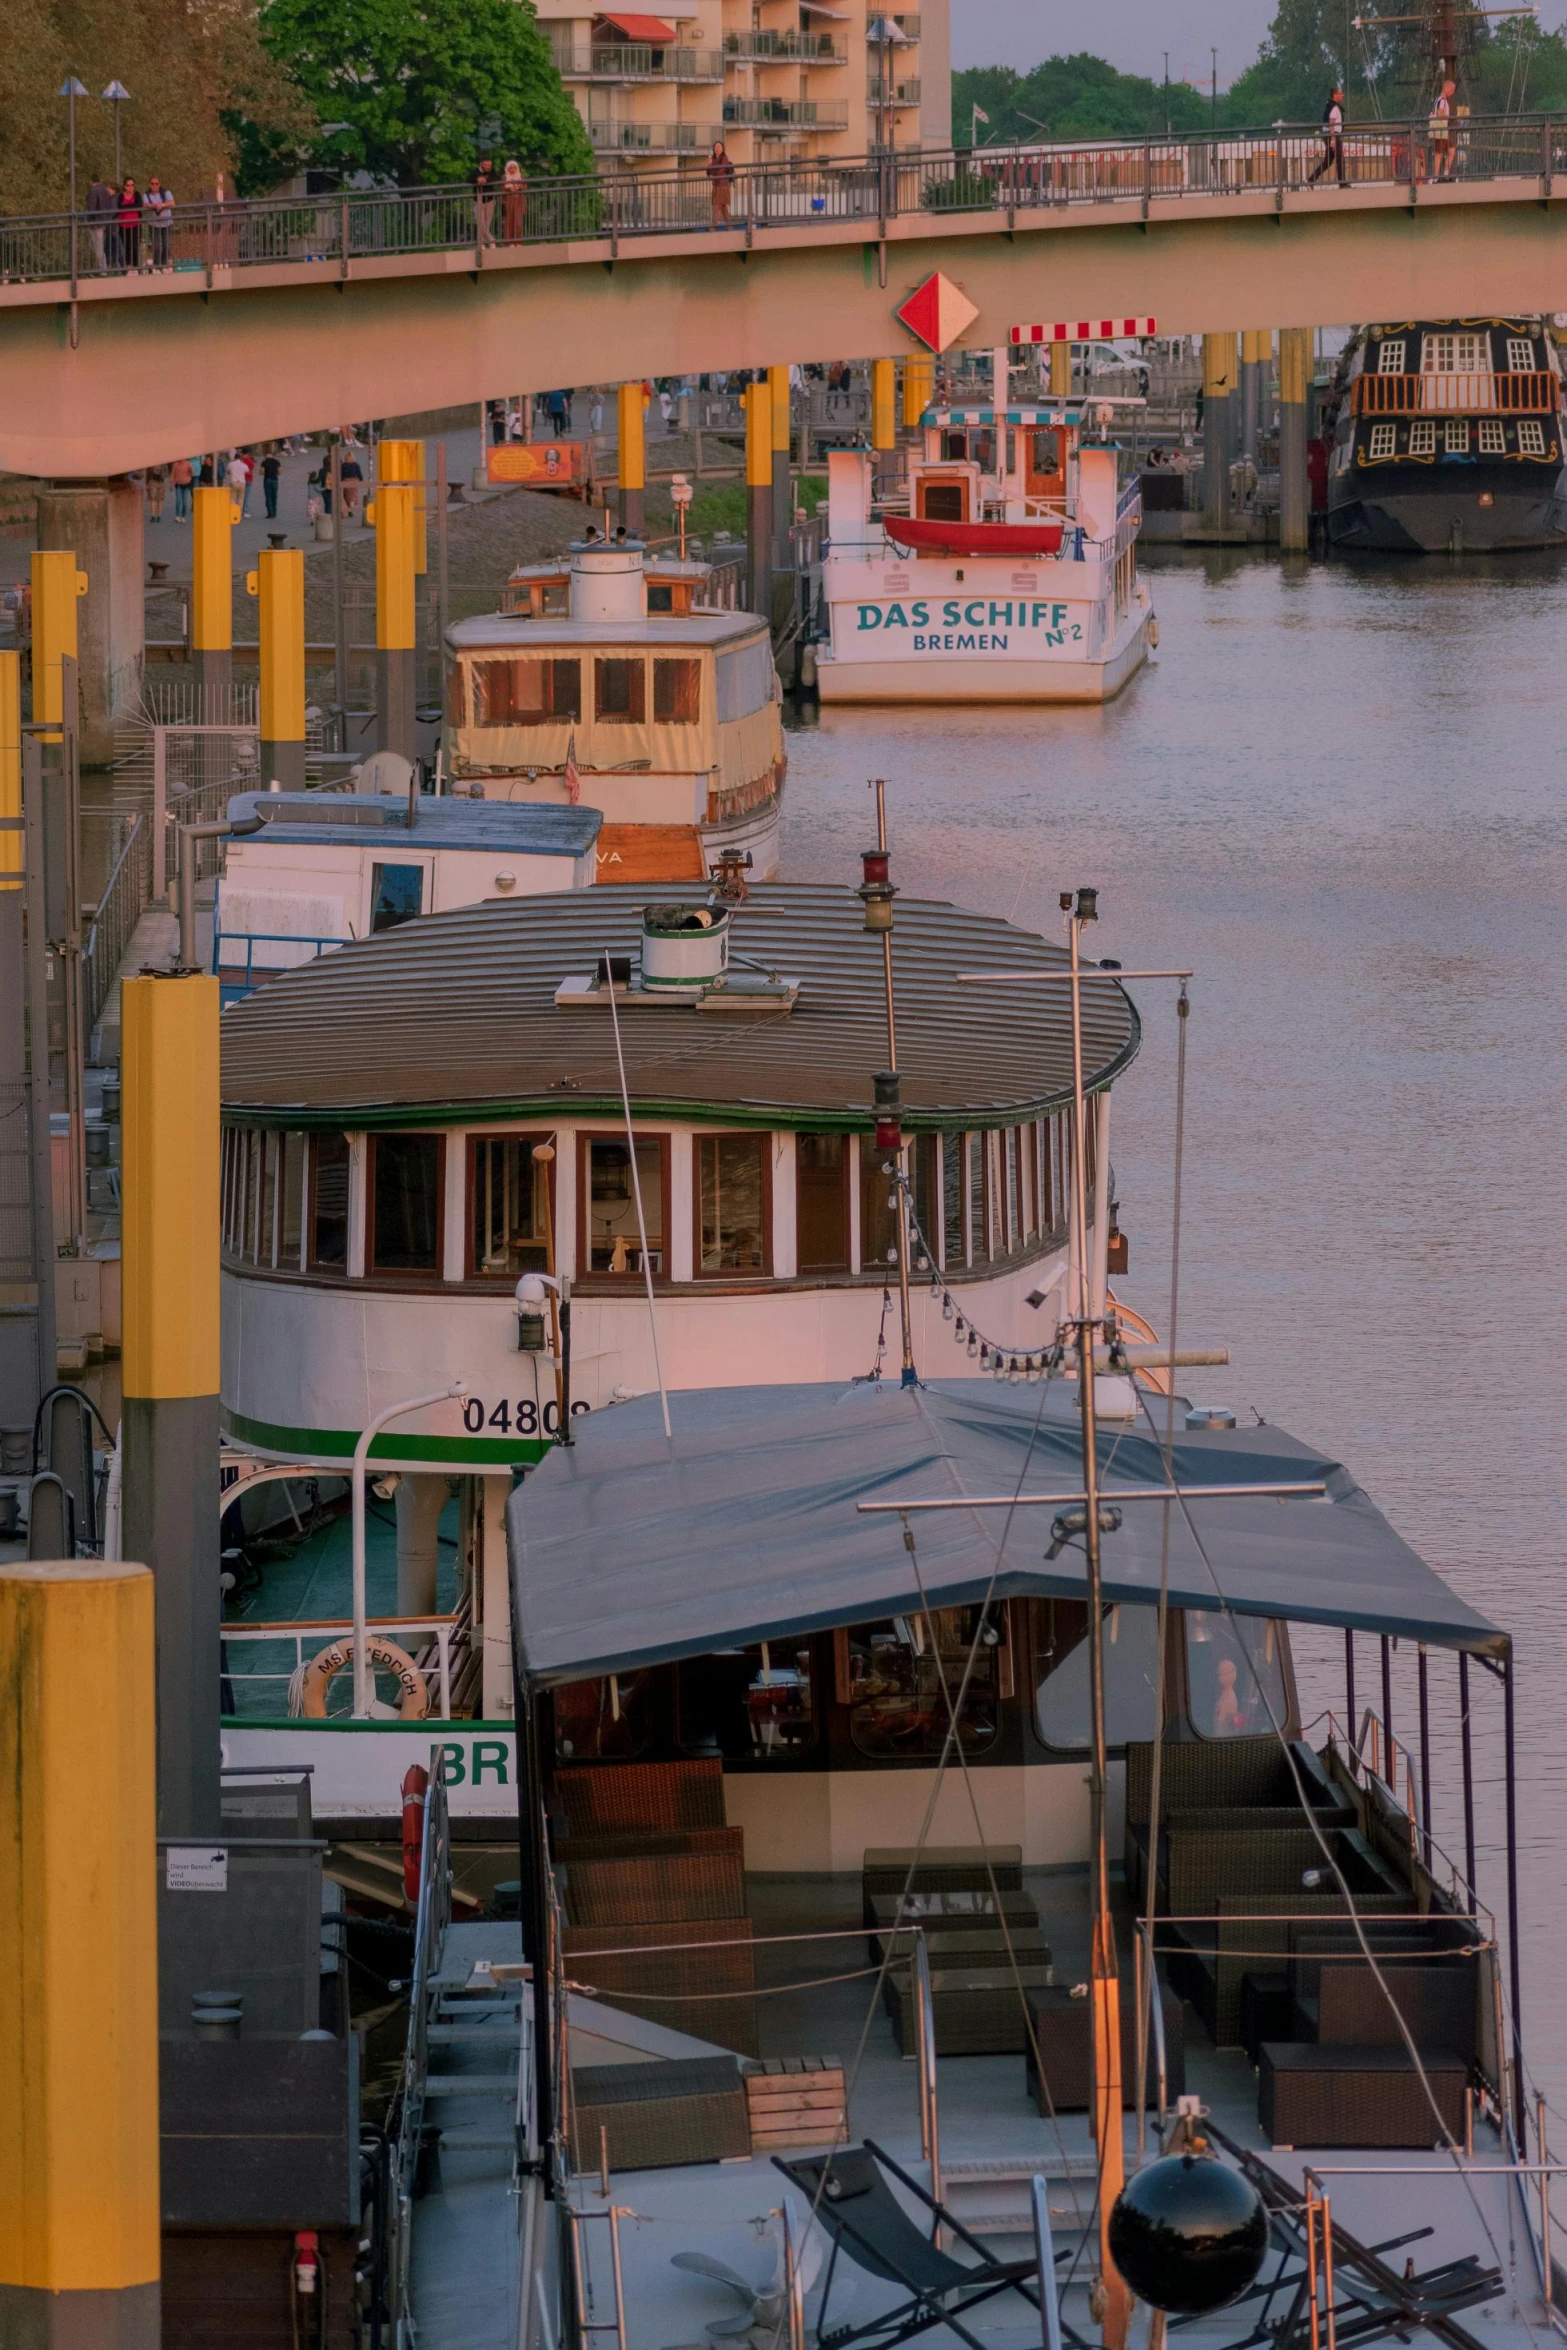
[1341, 795]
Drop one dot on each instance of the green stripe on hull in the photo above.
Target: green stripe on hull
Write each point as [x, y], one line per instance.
[337, 1444]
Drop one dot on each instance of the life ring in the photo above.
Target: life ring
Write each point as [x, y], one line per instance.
[317, 1676]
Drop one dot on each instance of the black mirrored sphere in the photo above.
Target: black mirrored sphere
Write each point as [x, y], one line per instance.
[1188, 2235]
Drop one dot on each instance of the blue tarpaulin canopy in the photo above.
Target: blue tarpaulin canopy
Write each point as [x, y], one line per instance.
[627, 1549]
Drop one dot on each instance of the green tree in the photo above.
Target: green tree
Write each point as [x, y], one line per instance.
[416, 83]
[1077, 97]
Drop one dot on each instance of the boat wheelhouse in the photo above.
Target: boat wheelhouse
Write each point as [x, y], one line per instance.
[615, 683]
[1009, 572]
[428, 1119]
[1448, 439]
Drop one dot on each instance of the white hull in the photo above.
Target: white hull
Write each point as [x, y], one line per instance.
[958, 677]
[756, 833]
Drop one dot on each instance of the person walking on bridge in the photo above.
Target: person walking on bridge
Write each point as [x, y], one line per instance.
[721, 178]
[101, 208]
[1332, 137]
[1441, 127]
[484, 200]
[514, 199]
[129, 217]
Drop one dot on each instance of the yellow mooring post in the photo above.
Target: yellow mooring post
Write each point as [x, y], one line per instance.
[214, 515]
[57, 588]
[279, 583]
[1256, 351]
[919, 389]
[759, 493]
[884, 404]
[79, 2196]
[1220, 373]
[169, 1177]
[632, 461]
[1060, 371]
[1294, 483]
[405, 461]
[396, 656]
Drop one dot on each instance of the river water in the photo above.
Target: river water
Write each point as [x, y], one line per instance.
[1338, 794]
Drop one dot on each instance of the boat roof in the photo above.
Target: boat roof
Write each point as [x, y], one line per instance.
[491, 629]
[404, 1025]
[627, 1549]
[339, 819]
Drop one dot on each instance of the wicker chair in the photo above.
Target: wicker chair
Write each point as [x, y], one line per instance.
[657, 1797]
[1063, 2035]
[643, 1892]
[659, 2116]
[978, 2010]
[1206, 1963]
[1225, 1782]
[1308, 2095]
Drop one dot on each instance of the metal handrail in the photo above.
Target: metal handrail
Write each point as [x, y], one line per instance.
[1486, 391]
[213, 242]
[432, 1916]
[125, 898]
[443, 1630]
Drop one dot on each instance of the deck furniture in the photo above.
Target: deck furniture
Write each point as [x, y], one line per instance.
[1435, 1998]
[1024, 1945]
[1267, 2009]
[1250, 1933]
[941, 1914]
[658, 2116]
[1358, 2095]
[978, 2010]
[655, 1797]
[796, 2101]
[849, 2194]
[891, 1869]
[685, 1990]
[641, 1844]
[1063, 2036]
[687, 1885]
[1214, 1776]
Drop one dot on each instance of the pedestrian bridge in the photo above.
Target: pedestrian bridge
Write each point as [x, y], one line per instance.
[241, 322]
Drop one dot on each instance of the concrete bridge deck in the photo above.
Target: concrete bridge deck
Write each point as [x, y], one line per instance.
[246, 321]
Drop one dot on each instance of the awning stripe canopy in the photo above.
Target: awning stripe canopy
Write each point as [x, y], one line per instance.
[628, 1550]
[638, 28]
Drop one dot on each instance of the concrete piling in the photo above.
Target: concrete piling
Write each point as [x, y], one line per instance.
[1294, 482]
[1256, 351]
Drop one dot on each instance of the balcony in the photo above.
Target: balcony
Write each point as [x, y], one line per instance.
[880, 93]
[637, 62]
[652, 138]
[1527, 392]
[788, 48]
[765, 114]
[908, 26]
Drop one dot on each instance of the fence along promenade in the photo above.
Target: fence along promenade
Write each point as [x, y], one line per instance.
[205, 242]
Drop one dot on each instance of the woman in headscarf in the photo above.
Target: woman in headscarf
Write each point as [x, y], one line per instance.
[514, 198]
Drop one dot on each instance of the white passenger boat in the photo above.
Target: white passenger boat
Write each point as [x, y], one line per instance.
[1009, 574]
[616, 680]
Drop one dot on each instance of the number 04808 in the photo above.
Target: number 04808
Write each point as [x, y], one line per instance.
[523, 1418]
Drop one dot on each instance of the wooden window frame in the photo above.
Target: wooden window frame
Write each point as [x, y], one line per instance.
[586, 1137]
[472, 1271]
[690, 661]
[846, 1165]
[413, 1275]
[314, 1263]
[729, 1134]
[616, 717]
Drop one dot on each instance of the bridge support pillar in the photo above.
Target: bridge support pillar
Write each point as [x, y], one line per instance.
[1218, 389]
[1294, 481]
[759, 495]
[1256, 349]
[214, 515]
[632, 459]
[101, 522]
[396, 657]
[280, 585]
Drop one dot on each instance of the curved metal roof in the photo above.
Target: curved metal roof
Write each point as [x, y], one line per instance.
[455, 1016]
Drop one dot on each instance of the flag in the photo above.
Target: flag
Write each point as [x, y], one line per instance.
[980, 115]
[573, 779]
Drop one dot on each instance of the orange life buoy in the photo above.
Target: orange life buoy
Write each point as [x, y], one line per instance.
[327, 1662]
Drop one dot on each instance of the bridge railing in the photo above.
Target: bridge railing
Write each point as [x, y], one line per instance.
[212, 240]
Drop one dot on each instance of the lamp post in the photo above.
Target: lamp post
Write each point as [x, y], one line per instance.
[363, 1687]
[117, 94]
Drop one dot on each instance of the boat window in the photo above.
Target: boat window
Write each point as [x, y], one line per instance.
[230, 1185]
[456, 694]
[744, 678]
[1456, 354]
[266, 1221]
[979, 1226]
[1044, 453]
[1520, 355]
[1456, 436]
[942, 501]
[878, 1211]
[1531, 437]
[1493, 437]
[604, 1721]
[396, 895]
[1234, 1675]
[954, 1253]
[731, 1179]
[526, 693]
[747, 1701]
[329, 1202]
[612, 1236]
[293, 1200]
[892, 1675]
[821, 1198]
[1012, 1143]
[954, 447]
[1422, 437]
[620, 691]
[922, 1179]
[1384, 442]
[405, 1195]
[1131, 1652]
[677, 692]
[509, 1206]
[1390, 358]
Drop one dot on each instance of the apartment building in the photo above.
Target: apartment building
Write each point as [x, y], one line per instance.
[774, 79]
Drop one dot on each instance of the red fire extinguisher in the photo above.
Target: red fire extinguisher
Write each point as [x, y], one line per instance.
[416, 1785]
[309, 2298]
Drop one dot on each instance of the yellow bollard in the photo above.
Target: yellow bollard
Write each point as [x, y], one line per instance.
[759, 491]
[1295, 358]
[632, 462]
[1060, 371]
[884, 406]
[405, 461]
[213, 516]
[79, 2155]
[57, 588]
[395, 637]
[919, 389]
[279, 583]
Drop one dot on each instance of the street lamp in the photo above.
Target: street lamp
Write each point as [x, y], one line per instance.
[70, 90]
[363, 1686]
[117, 94]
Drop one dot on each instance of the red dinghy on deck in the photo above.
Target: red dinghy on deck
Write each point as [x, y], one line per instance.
[927, 537]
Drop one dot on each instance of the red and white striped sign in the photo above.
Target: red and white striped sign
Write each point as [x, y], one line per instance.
[1084, 330]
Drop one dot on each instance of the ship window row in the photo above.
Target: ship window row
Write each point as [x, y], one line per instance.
[1456, 436]
[887, 1685]
[1457, 354]
[982, 1198]
[549, 691]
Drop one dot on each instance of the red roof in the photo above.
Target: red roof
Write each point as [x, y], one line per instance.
[642, 28]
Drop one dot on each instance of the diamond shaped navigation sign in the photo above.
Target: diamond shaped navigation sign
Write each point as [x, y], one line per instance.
[937, 312]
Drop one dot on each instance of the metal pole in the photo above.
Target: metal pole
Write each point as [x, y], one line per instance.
[443, 598]
[340, 645]
[1389, 1767]
[1044, 2253]
[1349, 1684]
[363, 1686]
[40, 1146]
[1425, 1753]
[1469, 1778]
[905, 1310]
[1514, 1961]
